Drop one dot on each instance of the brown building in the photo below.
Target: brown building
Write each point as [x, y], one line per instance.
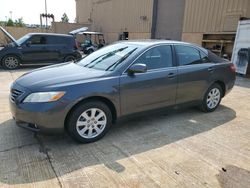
[211, 23]
[133, 19]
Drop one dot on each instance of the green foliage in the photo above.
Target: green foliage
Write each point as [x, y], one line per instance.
[19, 22]
[10, 22]
[65, 18]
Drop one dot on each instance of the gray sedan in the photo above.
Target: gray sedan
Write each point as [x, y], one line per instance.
[87, 97]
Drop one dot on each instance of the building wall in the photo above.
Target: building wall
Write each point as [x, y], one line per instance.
[116, 16]
[169, 22]
[210, 16]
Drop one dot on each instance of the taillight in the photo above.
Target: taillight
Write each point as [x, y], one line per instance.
[232, 68]
[76, 44]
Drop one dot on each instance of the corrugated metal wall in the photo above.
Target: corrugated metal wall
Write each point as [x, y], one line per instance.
[122, 15]
[210, 16]
[115, 16]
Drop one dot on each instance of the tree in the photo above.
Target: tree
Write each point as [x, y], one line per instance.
[10, 22]
[65, 18]
[19, 22]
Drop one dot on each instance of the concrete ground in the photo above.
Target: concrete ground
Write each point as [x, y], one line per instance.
[182, 149]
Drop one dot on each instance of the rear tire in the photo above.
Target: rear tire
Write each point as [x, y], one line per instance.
[212, 98]
[11, 62]
[89, 121]
[69, 58]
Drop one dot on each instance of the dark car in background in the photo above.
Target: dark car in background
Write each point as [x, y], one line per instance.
[38, 49]
[122, 79]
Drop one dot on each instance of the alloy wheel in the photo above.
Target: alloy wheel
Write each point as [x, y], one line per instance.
[213, 98]
[91, 123]
[11, 62]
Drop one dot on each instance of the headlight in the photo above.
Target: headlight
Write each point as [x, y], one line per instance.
[44, 96]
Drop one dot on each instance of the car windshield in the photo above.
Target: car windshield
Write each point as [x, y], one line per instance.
[22, 39]
[108, 58]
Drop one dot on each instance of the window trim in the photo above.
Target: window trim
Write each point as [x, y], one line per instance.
[145, 51]
[194, 47]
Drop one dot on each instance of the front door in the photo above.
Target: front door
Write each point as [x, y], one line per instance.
[154, 89]
[36, 50]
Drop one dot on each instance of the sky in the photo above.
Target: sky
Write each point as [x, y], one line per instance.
[30, 10]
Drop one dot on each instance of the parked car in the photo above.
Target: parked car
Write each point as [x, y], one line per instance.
[38, 48]
[122, 79]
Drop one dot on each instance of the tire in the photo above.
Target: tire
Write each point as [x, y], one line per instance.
[69, 58]
[90, 51]
[11, 62]
[85, 127]
[212, 98]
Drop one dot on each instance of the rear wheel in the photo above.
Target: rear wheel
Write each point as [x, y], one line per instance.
[212, 98]
[89, 122]
[90, 51]
[11, 62]
[69, 58]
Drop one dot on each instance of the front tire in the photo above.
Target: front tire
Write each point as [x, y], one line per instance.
[89, 122]
[11, 62]
[212, 98]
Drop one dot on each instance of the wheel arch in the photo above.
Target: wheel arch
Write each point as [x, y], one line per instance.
[106, 101]
[9, 54]
[222, 85]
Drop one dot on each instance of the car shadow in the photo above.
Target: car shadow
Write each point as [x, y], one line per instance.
[128, 138]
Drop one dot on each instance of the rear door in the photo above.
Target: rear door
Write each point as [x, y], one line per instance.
[154, 89]
[194, 73]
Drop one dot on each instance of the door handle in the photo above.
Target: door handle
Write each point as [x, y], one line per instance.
[171, 75]
[211, 69]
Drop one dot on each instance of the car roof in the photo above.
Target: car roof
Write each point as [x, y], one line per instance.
[151, 42]
[51, 34]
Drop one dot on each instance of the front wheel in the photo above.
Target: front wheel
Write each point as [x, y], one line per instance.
[89, 122]
[212, 98]
[11, 62]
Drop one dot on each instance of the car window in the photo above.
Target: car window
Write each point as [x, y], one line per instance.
[108, 58]
[59, 40]
[38, 40]
[157, 57]
[188, 55]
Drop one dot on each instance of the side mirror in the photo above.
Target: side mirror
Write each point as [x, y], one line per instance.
[137, 68]
[28, 43]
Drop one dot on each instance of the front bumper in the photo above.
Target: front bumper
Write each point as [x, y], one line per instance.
[38, 117]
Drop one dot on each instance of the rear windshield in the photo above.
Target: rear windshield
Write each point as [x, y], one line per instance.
[108, 58]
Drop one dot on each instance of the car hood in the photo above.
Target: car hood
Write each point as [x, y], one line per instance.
[57, 76]
[7, 34]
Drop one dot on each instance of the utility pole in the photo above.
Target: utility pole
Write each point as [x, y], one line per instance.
[11, 15]
[46, 14]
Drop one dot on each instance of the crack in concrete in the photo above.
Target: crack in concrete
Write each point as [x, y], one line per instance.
[44, 150]
[18, 147]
